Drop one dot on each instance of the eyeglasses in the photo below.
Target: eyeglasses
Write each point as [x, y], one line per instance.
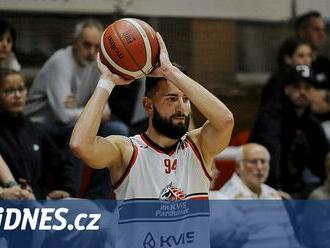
[12, 91]
[255, 161]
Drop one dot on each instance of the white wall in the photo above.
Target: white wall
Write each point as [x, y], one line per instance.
[272, 10]
[59, 5]
[233, 9]
[321, 5]
[266, 10]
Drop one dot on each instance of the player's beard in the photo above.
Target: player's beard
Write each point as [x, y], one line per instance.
[167, 127]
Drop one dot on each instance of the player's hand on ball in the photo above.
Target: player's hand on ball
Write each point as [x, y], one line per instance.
[108, 75]
[164, 61]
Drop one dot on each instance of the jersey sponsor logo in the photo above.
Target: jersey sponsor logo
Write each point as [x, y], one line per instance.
[175, 240]
[169, 240]
[171, 193]
[149, 241]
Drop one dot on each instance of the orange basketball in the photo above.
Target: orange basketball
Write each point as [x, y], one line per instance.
[129, 48]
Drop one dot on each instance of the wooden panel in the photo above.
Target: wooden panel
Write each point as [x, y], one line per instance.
[214, 53]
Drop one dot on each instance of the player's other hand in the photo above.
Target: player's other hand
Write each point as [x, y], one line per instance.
[108, 75]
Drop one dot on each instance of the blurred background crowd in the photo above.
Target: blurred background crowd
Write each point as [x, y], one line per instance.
[267, 61]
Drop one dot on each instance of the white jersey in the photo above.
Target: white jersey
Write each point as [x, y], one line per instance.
[154, 173]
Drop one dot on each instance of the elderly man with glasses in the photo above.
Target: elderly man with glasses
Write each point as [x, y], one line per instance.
[251, 173]
[254, 223]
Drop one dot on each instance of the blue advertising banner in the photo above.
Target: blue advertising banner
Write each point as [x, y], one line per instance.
[162, 224]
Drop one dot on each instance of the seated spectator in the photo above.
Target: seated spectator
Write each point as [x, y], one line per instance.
[264, 224]
[293, 136]
[323, 192]
[251, 172]
[61, 90]
[291, 53]
[7, 47]
[311, 28]
[63, 86]
[32, 157]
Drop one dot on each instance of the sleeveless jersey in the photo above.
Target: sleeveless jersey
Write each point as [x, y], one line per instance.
[155, 173]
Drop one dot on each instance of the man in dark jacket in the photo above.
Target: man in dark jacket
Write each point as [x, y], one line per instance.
[311, 28]
[32, 157]
[293, 136]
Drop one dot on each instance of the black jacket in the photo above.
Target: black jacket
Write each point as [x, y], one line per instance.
[294, 143]
[272, 91]
[32, 155]
[321, 71]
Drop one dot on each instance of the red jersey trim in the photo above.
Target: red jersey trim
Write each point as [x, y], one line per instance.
[199, 156]
[197, 196]
[129, 167]
[156, 147]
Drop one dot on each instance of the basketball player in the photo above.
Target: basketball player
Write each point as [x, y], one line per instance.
[165, 162]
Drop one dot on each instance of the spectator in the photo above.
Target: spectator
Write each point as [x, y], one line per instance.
[323, 192]
[311, 28]
[32, 157]
[257, 219]
[291, 53]
[251, 173]
[294, 138]
[61, 90]
[63, 86]
[7, 47]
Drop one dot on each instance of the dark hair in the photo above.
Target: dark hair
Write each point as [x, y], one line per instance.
[152, 82]
[303, 20]
[6, 27]
[5, 72]
[288, 48]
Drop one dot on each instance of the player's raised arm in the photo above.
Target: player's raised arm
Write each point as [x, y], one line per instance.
[96, 151]
[215, 135]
